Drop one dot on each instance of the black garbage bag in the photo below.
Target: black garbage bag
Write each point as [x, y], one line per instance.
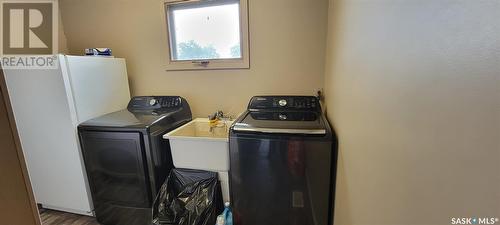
[188, 197]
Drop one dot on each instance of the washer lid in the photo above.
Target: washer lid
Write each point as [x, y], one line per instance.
[291, 122]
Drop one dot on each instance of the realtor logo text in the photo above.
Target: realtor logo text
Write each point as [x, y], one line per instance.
[28, 34]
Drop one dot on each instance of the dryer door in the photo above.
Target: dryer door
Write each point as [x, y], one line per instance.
[116, 168]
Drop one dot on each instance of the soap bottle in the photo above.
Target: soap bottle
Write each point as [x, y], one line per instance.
[226, 218]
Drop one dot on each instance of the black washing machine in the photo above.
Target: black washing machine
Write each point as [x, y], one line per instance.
[283, 160]
[126, 158]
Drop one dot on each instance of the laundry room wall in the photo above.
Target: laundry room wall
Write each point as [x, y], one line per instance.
[287, 48]
[61, 37]
[413, 91]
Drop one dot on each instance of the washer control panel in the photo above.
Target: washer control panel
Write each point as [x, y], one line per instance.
[154, 102]
[309, 103]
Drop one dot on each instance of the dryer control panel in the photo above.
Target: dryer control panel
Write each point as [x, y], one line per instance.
[154, 102]
[307, 103]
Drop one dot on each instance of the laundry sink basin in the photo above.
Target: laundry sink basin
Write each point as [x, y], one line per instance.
[197, 146]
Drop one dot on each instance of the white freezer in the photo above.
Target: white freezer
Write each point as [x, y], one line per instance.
[48, 105]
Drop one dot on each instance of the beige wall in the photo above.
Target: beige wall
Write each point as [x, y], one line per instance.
[61, 38]
[413, 90]
[287, 41]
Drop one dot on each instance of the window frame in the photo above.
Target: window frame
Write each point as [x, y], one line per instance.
[208, 64]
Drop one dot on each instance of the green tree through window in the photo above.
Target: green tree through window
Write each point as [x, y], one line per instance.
[192, 50]
[235, 51]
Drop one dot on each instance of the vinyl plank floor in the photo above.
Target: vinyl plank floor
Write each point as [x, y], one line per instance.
[51, 217]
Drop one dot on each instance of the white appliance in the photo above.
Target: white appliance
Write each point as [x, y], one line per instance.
[48, 105]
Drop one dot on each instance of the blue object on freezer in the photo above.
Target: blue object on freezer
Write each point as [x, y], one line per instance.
[98, 51]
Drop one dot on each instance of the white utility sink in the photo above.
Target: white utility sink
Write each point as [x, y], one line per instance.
[197, 146]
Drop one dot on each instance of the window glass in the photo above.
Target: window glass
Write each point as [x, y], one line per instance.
[205, 30]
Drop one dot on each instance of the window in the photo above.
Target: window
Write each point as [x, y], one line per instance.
[207, 34]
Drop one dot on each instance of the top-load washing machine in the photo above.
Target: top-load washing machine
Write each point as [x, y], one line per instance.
[282, 163]
[126, 158]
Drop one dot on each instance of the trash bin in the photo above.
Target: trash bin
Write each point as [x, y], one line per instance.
[188, 197]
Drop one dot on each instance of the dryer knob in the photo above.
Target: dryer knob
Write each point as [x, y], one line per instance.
[282, 102]
[153, 102]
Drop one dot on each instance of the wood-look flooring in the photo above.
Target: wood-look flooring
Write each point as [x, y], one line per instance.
[50, 217]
